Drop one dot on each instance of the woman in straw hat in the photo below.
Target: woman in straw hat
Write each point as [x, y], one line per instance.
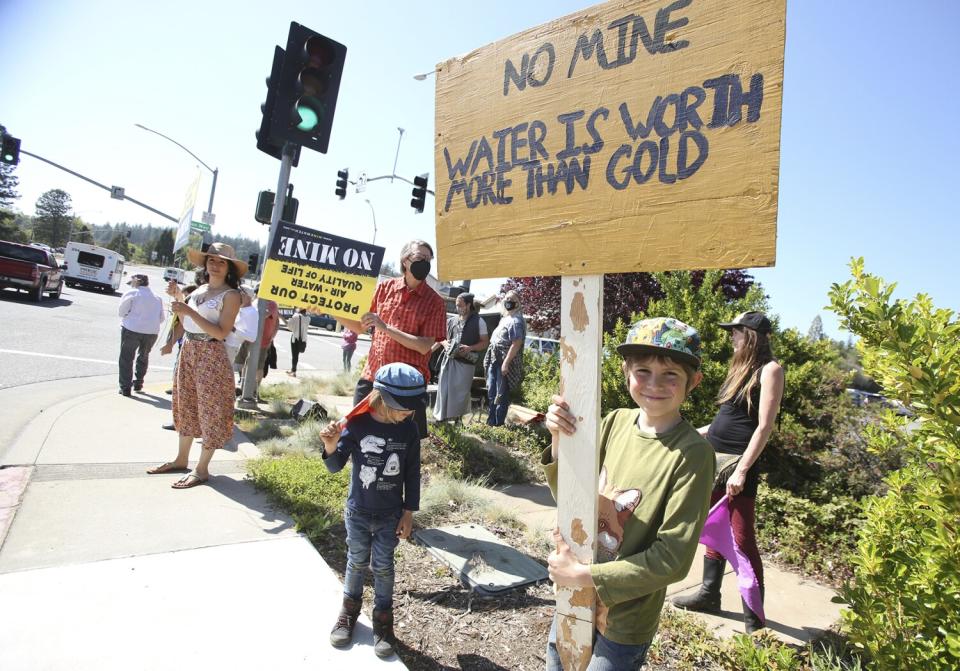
[203, 393]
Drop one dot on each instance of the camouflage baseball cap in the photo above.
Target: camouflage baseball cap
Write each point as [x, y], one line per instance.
[664, 336]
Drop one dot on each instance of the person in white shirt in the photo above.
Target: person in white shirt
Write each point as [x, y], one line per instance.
[141, 315]
[244, 328]
[299, 325]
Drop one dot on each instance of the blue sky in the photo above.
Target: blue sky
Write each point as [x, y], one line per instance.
[867, 142]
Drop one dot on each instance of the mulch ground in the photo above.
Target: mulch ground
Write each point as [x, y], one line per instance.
[443, 625]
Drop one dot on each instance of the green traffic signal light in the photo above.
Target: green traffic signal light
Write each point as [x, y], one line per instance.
[309, 83]
[309, 119]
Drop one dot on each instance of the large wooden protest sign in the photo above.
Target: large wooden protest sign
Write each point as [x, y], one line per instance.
[310, 269]
[631, 136]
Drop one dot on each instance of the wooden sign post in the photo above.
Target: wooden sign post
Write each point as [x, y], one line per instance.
[636, 135]
[581, 328]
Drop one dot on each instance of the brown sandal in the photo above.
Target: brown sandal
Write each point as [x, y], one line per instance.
[186, 483]
[168, 467]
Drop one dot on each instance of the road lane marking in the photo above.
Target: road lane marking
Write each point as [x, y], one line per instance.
[72, 358]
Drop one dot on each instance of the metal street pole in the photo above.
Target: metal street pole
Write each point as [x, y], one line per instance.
[102, 186]
[367, 201]
[396, 156]
[248, 398]
[215, 171]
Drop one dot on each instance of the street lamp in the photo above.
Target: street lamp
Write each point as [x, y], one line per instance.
[367, 201]
[215, 171]
[423, 76]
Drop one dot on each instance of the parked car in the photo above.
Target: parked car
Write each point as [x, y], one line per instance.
[92, 266]
[175, 274]
[323, 322]
[544, 346]
[30, 269]
[320, 321]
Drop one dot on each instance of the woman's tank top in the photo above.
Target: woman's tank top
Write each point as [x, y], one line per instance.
[210, 309]
[731, 430]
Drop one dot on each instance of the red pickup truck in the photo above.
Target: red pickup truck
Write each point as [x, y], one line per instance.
[29, 269]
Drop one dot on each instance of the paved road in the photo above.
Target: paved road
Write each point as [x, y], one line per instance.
[76, 339]
[78, 336]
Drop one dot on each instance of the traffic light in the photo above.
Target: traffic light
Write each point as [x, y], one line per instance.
[419, 193]
[11, 149]
[264, 211]
[266, 142]
[252, 262]
[342, 177]
[308, 87]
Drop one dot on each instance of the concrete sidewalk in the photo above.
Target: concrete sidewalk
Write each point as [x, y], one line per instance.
[105, 567]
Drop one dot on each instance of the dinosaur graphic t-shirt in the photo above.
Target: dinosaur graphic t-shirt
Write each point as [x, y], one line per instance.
[654, 492]
[386, 464]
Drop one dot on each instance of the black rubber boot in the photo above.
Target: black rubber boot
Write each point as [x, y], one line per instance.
[751, 621]
[342, 632]
[707, 599]
[383, 639]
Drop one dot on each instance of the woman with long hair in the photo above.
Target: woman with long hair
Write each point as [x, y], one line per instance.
[504, 358]
[466, 339]
[749, 402]
[203, 395]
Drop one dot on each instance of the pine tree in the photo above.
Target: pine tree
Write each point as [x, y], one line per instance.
[815, 332]
[54, 220]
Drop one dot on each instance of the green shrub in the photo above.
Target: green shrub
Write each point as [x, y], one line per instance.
[541, 380]
[743, 653]
[905, 596]
[818, 537]
[303, 487]
[463, 457]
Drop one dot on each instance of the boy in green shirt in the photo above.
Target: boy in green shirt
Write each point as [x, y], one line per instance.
[656, 473]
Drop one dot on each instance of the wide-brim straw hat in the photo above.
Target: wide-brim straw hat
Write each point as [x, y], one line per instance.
[222, 251]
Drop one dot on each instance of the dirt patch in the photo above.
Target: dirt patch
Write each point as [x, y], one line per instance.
[440, 624]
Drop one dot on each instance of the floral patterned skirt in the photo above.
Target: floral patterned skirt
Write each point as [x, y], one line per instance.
[203, 393]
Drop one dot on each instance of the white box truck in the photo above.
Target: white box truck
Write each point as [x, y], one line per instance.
[92, 266]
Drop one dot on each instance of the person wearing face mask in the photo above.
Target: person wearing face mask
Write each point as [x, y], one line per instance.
[466, 339]
[504, 359]
[408, 317]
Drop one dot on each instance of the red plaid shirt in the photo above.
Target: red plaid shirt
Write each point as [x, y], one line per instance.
[418, 312]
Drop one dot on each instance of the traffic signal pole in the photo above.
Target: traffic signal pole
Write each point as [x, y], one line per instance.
[248, 396]
[124, 196]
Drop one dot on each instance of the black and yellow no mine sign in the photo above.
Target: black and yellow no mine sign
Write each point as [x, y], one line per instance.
[310, 269]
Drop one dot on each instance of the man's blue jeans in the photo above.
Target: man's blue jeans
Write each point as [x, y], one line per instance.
[607, 655]
[371, 540]
[498, 395]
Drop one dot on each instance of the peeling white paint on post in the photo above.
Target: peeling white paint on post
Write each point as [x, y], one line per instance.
[581, 342]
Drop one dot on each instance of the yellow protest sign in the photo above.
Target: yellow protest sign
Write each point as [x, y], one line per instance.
[631, 136]
[320, 272]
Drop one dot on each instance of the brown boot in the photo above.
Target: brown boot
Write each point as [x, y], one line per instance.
[383, 639]
[342, 632]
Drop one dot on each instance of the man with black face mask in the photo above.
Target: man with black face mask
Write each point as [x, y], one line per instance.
[408, 317]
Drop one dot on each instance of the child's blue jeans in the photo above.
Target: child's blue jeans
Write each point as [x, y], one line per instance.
[371, 540]
[607, 655]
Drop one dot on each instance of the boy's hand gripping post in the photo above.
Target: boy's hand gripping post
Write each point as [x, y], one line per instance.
[581, 340]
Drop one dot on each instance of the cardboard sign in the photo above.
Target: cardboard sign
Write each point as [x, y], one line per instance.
[631, 136]
[320, 272]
